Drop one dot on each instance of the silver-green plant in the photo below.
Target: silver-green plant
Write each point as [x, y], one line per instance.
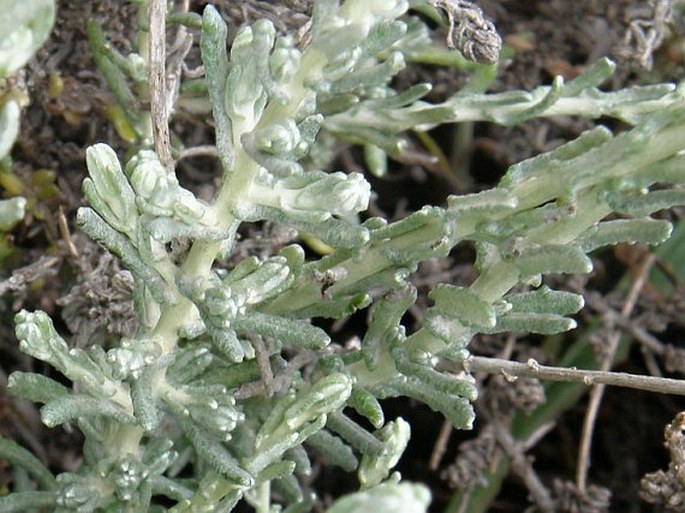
[228, 386]
[24, 27]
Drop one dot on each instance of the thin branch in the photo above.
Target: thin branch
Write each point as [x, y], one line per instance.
[64, 231]
[157, 83]
[532, 369]
[648, 340]
[22, 277]
[198, 151]
[598, 391]
[440, 446]
[523, 468]
[183, 43]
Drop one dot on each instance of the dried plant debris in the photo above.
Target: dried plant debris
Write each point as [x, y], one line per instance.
[668, 487]
[646, 28]
[470, 31]
[509, 394]
[568, 498]
[285, 15]
[101, 301]
[475, 459]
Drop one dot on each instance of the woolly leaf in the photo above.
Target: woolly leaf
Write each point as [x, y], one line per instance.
[542, 163]
[354, 434]
[326, 395]
[542, 323]
[20, 502]
[291, 332]
[462, 304]
[216, 455]
[593, 76]
[366, 404]
[277, 470]
[491, 201]
[374, 469]
[15, 454]
[640, 205]
[35, 387]
[333, 449]
[71, 407]
[387, 497]
[385, 319]
[441, 382]
[646, 231]
[144, 400]
[9, 126]
[215, 59]
[552, 259]
[546, 300]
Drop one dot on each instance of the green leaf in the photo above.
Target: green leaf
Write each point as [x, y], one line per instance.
[292, 332]
[21, 502]
[374, 469]
[366, 404]
[333, 449]
[215, 453]
[35, 387]
[490, 202]
[385, 319]
[354, 434]
[71, 407]
[463, 305]
[641, 205]
[324, 396]
[16, 455]
[12, 211]
[552, 259]
[24, 27]
[593, 76]
[646, 231]
[387, 497]
[525, 322]
[108, 189]
[9, 126]
[546, 300]
[215, 60]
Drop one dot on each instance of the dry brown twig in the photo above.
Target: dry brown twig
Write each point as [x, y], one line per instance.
[165, 78]
[470, 31]
[598, 391]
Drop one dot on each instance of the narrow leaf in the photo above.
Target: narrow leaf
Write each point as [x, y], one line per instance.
[552, 259]
[333, 449]
[546, 300]
[35, 387]
[354, 434]
[15, 454]
[462, 304]
[524, 322]
[646, 231]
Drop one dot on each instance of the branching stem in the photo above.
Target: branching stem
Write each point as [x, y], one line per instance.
[157, 81]
[532, 369]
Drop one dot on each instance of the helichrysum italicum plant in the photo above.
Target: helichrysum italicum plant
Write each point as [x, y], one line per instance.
[166, 399]
[24, 27]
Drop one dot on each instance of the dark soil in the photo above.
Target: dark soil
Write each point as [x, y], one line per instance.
[545, 38]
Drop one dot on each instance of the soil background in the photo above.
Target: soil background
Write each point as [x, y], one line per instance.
[70, 277]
